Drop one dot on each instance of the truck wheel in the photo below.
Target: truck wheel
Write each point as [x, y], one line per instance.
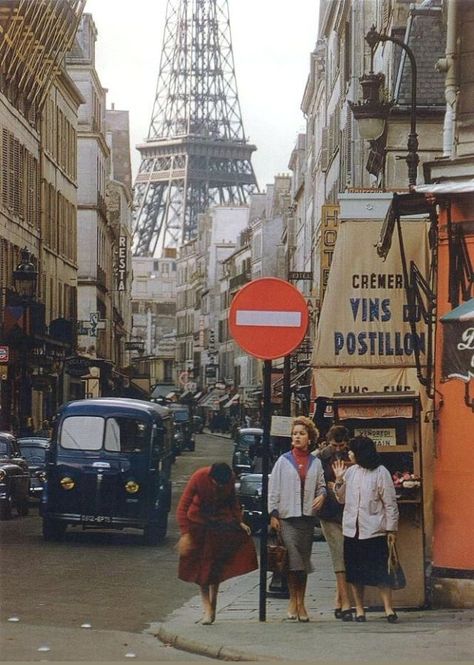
[53, 530]
[153, 534]
[23, 508]
[6, 508]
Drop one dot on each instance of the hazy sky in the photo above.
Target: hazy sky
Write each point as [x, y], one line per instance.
[272, 41]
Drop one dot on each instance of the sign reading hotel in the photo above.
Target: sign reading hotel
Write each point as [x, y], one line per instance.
[365, 318]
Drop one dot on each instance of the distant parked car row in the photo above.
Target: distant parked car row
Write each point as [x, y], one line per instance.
[22, 472]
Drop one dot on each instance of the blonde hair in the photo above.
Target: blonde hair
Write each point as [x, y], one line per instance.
[309, 426]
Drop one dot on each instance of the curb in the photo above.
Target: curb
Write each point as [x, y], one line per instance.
[202, 649]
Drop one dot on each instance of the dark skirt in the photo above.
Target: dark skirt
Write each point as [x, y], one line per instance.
[366, 561]
[220, 551]
[297, 535]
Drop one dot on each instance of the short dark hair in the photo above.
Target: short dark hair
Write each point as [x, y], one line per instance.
[365, 452]
[221, 473]
[338, 433]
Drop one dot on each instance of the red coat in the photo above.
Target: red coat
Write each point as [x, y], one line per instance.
[212, 516]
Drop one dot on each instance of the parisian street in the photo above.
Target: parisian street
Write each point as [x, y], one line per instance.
[108, 580]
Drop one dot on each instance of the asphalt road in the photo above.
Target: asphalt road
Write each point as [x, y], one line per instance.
[109, 581]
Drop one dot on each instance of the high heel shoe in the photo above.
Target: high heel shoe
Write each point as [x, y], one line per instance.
[303, 618]
[392, 618]
[347, 615]
[291, 617]
[208, 619]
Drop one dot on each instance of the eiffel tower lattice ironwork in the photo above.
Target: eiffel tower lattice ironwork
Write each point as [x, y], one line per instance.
[196, 154]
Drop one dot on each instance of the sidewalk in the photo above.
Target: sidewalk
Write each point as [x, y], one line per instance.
[238, 635]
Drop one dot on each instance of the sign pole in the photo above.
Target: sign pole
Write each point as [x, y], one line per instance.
[267, 417]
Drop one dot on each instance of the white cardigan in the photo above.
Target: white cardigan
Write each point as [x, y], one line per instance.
[284, 487]
[369, 502]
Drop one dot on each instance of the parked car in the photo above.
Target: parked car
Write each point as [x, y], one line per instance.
[249, 493]
[108, 467]
[33, 449]
[14, 477]
[246, 445]
[183, 428]
[198, 424]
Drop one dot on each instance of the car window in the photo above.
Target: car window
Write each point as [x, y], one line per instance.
[248, 439]
[126, 435]
[180, 416]
[82, 433]
[34, 454]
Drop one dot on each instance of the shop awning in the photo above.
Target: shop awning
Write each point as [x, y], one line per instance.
[198, 395]
[464, 312]
[211, 400]
[448, 187]
[402, 205]
[233, 400]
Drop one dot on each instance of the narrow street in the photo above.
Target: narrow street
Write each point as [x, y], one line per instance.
[110, 581]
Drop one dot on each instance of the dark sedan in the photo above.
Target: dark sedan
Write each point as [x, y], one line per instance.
[33, 449]
[14, 477]
[249, 492]
[247, 447]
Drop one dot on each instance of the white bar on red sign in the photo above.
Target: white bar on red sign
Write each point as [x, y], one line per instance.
[273, 319]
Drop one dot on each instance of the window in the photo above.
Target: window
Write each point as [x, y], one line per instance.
[82, 433]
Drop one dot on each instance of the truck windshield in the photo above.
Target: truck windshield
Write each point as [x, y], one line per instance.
[122, 435]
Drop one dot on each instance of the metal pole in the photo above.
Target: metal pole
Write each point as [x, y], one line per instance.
[267, 415]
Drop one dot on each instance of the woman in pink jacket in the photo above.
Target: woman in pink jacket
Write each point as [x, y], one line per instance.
[369, 521]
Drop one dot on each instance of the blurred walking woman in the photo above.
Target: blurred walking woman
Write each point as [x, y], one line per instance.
[215, 544]
[297, 489]
[370, 519]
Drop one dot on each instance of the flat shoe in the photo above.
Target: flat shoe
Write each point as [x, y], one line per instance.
[208, 619]
[347, 615]
[338, 613]
[361, 618]
[292, 617]
[392, 618]
[303, 619]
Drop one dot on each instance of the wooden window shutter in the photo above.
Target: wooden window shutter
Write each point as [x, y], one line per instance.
[5, 169]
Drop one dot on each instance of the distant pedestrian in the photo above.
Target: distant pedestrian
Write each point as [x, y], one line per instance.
[45, 430]
[296, 491]
[215, 543]
[369, 522]
[248, 421]
[330, 515]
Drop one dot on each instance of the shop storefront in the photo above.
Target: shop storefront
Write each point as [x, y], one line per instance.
[372, 351]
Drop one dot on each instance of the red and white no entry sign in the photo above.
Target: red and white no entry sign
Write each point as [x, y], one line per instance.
[268, 318]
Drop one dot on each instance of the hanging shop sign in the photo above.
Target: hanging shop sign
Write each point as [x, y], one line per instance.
[122, 264]
[364, 318]
[458, 342]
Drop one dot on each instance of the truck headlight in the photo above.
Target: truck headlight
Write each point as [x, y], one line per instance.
[67, 483]
[132, 487]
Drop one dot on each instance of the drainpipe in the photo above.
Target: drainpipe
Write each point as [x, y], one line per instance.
[449, 65]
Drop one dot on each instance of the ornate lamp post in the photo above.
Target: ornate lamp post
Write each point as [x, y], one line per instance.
[25, 278]
[372, 112]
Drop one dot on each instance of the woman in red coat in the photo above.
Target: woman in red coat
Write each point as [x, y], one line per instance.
[215, 544]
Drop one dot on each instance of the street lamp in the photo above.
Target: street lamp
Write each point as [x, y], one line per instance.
[25, 279]
[372, 112]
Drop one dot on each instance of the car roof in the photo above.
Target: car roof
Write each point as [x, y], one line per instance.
[8, 436]
[250, 430]
[110, 404]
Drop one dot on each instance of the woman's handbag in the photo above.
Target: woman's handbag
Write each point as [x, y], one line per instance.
[277, 554]
[395, 570]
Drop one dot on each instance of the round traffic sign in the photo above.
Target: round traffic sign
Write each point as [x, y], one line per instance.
[268, 318]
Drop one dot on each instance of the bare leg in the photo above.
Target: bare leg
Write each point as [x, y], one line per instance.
[358, 593]
[300, 594]
[292, 588]
[207, 619]
[386, 595]
[343, 599]
[213, 591]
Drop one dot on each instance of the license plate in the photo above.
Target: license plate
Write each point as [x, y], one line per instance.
[96, 519]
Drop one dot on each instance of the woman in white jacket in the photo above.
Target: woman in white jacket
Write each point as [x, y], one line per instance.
[297, 489]
[369, 521]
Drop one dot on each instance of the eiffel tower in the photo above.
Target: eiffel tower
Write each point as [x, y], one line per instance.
[196, 154]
